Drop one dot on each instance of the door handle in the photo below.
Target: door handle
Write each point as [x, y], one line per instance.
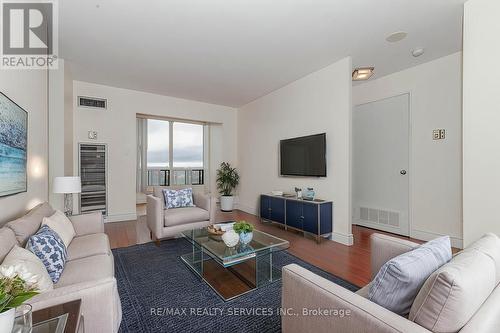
[403, 172]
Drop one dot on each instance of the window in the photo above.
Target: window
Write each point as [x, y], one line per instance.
[188, 145]
[175, 153]
[158, 143]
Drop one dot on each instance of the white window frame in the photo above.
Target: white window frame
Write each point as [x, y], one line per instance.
[188, 170]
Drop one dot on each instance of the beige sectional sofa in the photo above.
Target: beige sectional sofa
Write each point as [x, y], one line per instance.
[166, 223]
[88, 274]
[461, 296]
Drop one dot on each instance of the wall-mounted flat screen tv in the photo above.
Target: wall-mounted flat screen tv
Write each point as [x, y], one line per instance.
[303, 156]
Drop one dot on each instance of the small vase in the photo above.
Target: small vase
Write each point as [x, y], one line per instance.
[244, 248]
[7, 321]
[230, 238]
[246, 237]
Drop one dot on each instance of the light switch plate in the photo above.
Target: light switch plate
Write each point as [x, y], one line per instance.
[438, 134]
[92, 135]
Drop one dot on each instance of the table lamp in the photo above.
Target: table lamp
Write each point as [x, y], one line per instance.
[67, 186]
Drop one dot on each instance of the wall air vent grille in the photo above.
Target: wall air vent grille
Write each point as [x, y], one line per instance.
[93, 102]
[379, 216]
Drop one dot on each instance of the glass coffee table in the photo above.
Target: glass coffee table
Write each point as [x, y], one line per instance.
[232, 272]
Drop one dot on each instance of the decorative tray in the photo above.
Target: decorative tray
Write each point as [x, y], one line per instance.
[214, 231]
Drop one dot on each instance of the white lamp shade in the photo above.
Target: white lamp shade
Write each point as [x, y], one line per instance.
[67, 185]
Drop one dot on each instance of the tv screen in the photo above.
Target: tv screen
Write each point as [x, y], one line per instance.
[304, 156]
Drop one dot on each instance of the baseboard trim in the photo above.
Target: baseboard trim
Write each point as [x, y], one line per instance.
[120, 217]
[428, 235]
[346, 239]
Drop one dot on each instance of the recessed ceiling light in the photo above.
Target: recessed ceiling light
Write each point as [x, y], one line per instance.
[396, 36]
[362, 73]
[417, 52]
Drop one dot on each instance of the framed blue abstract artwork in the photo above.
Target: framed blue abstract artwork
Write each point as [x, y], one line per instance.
[13, 147]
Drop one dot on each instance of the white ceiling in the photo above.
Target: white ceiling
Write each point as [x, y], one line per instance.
[231, 52]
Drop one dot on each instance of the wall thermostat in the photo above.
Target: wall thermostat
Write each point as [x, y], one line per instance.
[92, 135]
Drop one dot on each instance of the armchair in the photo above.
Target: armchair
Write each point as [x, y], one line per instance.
[166, 223]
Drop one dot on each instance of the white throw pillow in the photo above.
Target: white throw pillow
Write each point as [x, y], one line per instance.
[61, 225]
[32, 264]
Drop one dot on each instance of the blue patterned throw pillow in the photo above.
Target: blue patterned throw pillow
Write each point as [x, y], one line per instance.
[178, 198]
[48, 246]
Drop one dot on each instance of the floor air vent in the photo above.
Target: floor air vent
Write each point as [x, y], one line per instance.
[379, 216]
[92, 102]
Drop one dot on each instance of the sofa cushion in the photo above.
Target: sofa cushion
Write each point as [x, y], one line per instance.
[178, 198]
[363, 292]
[7, 242]
[28, 225]
[31, 264]
[399, 280]
[61, 225]
[486, 319]
[88, 245]
[453, 293]
[86, 269]
[48, 246]
[179, 216]
[489, 244]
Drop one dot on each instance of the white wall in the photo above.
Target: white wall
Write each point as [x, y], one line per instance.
[116, 127]
[435, 166]
[481, 132]
[68, 121]
[28, 88]
[60, 128]
[319, 102]
[57, 129]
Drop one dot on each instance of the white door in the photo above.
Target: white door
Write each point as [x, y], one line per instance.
[380, 174]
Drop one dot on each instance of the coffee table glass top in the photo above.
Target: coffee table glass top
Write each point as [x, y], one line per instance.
[261, 243]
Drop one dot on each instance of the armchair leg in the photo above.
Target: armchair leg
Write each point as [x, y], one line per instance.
[156, 240]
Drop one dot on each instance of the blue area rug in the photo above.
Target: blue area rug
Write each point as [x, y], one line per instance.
[159, 293]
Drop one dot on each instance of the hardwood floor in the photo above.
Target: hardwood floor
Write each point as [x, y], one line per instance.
[351, 263]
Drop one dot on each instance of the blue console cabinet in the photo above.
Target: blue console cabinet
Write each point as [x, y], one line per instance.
[272, 209]
[313, 217]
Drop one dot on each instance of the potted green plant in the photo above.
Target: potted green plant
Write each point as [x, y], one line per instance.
[16, 287]
[227, 180]
[245, 230]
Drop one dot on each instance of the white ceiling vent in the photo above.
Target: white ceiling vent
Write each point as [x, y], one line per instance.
[92, 102]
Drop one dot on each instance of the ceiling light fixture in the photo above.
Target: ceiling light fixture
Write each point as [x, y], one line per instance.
[417, 52]
[396, 36]
[362, 73]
